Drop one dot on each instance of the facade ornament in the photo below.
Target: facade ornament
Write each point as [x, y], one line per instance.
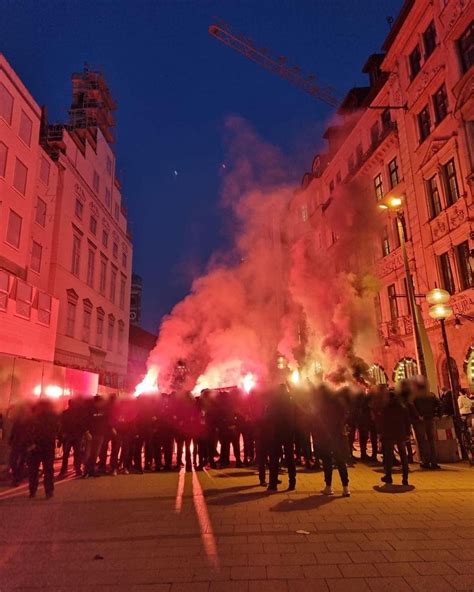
[425, 79]
[458, 8]
[439, 227]
[79, 193]
[457, 215]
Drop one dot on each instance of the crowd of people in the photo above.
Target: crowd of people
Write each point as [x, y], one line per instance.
[315, 427]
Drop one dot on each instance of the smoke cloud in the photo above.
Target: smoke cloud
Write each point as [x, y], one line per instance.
[270, 294]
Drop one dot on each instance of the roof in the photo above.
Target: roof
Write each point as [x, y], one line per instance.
[141, 338]
[398, 23]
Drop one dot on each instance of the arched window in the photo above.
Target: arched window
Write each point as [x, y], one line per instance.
[377, 374]
[405, 368]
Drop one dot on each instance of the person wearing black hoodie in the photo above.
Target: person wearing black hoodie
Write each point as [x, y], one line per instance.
[395, 427]
[281, 426]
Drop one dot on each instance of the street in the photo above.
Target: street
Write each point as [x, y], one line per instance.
[219, 531]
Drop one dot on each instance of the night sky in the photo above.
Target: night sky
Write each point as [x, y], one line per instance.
[175, 85]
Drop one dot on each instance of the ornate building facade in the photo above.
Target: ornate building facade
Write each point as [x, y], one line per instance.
[410, 134]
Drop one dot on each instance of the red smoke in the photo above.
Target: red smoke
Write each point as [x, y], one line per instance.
[269, 293]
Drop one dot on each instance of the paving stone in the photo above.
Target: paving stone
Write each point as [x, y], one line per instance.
[388, 584]
[268, 586]
[461, 582]
[318, 585]
[348, 585]
[254, 572]
[433, 568]
[429, 584]
[358, 570]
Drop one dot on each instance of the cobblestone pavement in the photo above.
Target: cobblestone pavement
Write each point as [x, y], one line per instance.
[217, 531]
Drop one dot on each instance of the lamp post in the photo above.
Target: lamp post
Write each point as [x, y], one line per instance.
[440, 310]
[424, 353]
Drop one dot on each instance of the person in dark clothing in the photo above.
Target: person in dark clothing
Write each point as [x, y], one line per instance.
[330, 424]
[395, 427]
[427, 407]
[201, 443]
[367, 429]
[110, 435]
[143, 434]
[122, 420]
[43, 431]
[280, 421]
[71, 434]
[228, 421]
[96, 429]
[163, 437]
[18, 442]
[184, 408]
[258, 403]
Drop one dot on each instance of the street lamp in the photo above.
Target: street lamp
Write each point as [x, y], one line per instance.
[424, 353]
[440, 310]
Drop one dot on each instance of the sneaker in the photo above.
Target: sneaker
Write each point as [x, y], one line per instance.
[328, 490]
[387, 479]
[126, 472]
[346, 492]
[114, 473]
[49, 495]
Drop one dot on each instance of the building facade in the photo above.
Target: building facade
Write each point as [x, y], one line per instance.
[28, 182]
[92, 251]
[409, 134]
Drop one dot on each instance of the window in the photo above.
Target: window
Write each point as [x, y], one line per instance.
[113, 281]
[452, 189]
[90, 267]
[103, 275]
[105, 238]
[93, 225]
[76, 255]
[434, 199]
[440, 103]
[116, 212]
[446, 274]
[86, 321]
[415, 62]
[24, 295]
[45, 169]
[71, 318]
[115, 250]
[393, 173]
[385, 242]
[396, 233]
[378, 309]
[123, 283]
[386, 119]
[26, 126]
[6, 104]
[466, 279]
[36, 254]
[121, 335]
[3, 159]
[40, 214]
[14, 229]
[20, 176]
[374, 133]
[424, 123]
[44, 308]
[4, 281]
[124, 259]
[392, 301]
[96, 182]
[429, 39]
[110, 333]
[378, 185]
[109, 165]
[99, 336]
[79, 209]
[465, 47]
[359, 153]
[108, 198]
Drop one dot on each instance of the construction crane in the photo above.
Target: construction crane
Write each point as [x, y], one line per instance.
[278, 65]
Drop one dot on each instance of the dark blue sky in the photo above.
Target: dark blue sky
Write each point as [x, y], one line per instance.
[175, 85]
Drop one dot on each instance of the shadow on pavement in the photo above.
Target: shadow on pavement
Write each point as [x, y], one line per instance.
[307, 503]
[236, 474]
[237, 488]
[393, 488]
[237, 498]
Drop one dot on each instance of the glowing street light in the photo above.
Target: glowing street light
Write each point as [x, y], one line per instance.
[424, 353]
[438, 296]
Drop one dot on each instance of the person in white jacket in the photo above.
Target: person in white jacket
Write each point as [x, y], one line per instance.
[465, 403]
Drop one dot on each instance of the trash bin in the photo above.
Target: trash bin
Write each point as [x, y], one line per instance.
[446, 443]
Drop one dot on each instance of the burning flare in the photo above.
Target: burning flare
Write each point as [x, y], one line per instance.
[149, 384]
